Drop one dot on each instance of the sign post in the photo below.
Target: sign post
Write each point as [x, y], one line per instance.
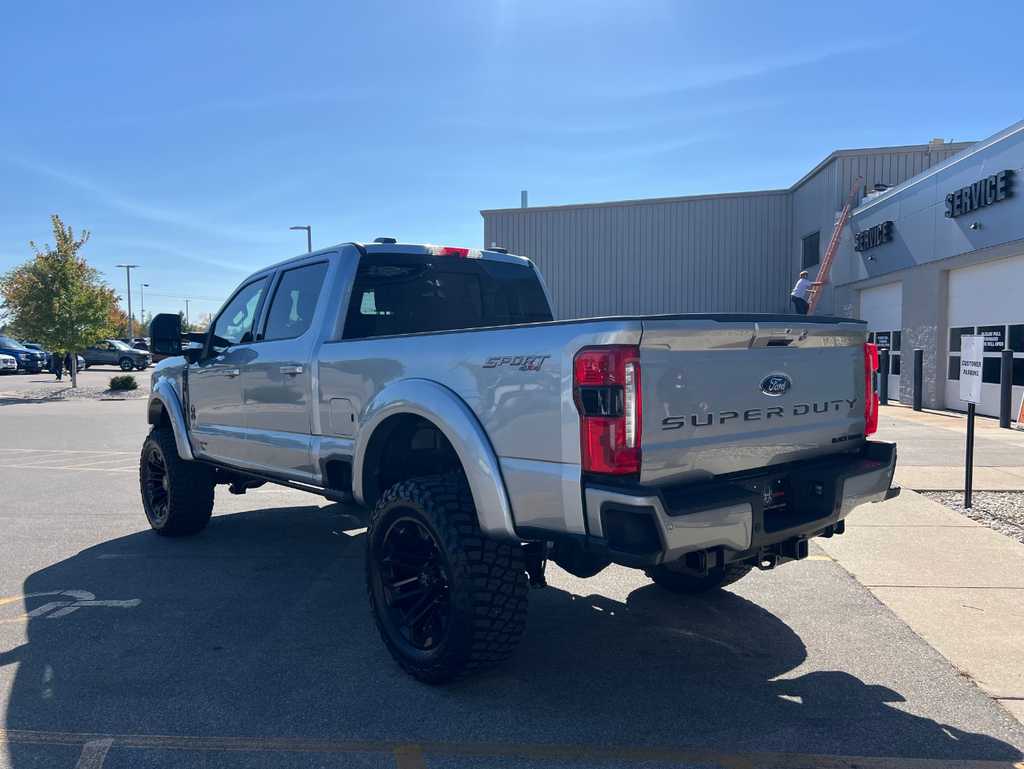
[971, 350]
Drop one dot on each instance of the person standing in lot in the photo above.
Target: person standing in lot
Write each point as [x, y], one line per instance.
[57, 364]
[803, 288]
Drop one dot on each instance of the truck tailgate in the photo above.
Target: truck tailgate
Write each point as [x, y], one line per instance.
[728, 396]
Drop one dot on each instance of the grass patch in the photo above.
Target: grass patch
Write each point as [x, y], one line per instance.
[123, 382]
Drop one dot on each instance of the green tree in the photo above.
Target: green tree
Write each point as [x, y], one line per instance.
[57, 299]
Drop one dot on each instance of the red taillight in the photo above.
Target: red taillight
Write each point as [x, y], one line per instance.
[607, 392]
[870, 396]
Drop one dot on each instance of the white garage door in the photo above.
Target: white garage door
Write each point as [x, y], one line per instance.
[987, 299]
[882, 308]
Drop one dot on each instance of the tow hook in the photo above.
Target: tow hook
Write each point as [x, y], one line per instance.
[767, 561]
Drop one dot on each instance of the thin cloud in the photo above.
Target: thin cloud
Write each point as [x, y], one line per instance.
[710, 77]
[113, 200]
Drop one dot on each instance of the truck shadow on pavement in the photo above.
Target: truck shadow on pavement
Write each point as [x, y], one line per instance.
[259, 627]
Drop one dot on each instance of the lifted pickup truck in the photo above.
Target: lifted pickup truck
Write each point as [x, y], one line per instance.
[433, 385]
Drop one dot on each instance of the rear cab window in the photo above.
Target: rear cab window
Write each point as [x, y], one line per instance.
[413, 293]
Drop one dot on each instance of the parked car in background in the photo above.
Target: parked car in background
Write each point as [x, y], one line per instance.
[8, 365]
[114, 352]
[32, 361]
[139, 343]
[49, 355]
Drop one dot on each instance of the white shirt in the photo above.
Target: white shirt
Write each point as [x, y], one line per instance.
[801, 288]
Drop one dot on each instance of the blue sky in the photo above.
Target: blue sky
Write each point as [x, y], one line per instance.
[188, 136]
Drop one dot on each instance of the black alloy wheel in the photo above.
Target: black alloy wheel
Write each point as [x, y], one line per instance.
[415, 584]
[176, 494]
[126, 364]
[155, 486]
[447, 600]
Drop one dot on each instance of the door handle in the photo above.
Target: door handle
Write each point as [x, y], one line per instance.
[232, 372]
[292, 369]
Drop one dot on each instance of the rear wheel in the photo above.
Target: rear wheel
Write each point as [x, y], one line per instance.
[688, 584]
[177, 494]
[447, 601]
[126, 364]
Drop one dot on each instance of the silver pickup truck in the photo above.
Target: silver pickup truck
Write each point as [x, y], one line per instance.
[433, 385]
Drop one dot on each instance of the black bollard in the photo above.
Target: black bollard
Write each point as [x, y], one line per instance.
[918, 378]
[883, 378]
[1005, 388]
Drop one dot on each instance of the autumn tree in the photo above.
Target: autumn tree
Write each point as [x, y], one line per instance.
[57, 299]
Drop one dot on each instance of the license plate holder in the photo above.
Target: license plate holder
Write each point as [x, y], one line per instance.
[776, 494]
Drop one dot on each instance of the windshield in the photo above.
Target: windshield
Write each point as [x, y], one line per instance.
[119, 345]
[9, 344]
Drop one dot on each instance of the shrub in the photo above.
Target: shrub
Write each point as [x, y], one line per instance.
[123, 382]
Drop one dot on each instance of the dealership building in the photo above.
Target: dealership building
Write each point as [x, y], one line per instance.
[933, 249]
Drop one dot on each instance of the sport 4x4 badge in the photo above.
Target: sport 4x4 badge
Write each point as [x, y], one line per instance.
[522, 362]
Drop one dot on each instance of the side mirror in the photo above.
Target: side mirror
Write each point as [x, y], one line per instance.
[165, 334]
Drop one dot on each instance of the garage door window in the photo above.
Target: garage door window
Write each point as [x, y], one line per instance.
[889, 340]
[996, 338]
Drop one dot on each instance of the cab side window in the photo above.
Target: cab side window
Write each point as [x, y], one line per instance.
[234, 324]
[291, 309]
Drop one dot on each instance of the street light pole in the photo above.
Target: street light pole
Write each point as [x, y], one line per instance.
[309, 236]
[142, 294]
[186, 313]
[128, 271]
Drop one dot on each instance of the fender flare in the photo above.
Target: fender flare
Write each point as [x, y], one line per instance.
[450, 414]
[166, 397]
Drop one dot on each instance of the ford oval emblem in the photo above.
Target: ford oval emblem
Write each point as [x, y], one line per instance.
[776, 384]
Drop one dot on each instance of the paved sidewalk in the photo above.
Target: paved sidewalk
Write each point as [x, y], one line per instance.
[933, 445]
[956, 583]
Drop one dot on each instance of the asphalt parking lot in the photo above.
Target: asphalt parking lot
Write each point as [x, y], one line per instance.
[251, 644]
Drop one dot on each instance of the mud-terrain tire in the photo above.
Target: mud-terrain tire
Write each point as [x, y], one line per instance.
[464, 606]
[176, 494]
[690, 585]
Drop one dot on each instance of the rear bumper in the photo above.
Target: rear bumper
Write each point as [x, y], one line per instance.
[728, 518]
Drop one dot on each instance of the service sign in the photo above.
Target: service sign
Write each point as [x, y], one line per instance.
[971, 348]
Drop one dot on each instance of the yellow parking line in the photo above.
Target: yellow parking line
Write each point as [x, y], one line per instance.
[64, 451]
[411, 754]
[65, 459]
[132, 468]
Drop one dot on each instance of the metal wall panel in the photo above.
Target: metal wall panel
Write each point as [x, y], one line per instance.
[712, 253]
[706, 254]
[814, 210]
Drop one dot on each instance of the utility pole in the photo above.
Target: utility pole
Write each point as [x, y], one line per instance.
[186, 313]
[142, 294]
[309, 236]
[128, 271]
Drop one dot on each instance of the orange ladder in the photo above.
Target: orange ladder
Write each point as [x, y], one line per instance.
[833, 246]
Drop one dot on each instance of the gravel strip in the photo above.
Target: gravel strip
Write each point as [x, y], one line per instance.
[63, 393]
[999, 510]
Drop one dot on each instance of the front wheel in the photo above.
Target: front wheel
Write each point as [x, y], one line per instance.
[126, 364]
[447, 601]
[177, 494]
[687, 584]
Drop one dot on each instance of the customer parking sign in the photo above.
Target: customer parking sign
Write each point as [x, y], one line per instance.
[971, 348]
